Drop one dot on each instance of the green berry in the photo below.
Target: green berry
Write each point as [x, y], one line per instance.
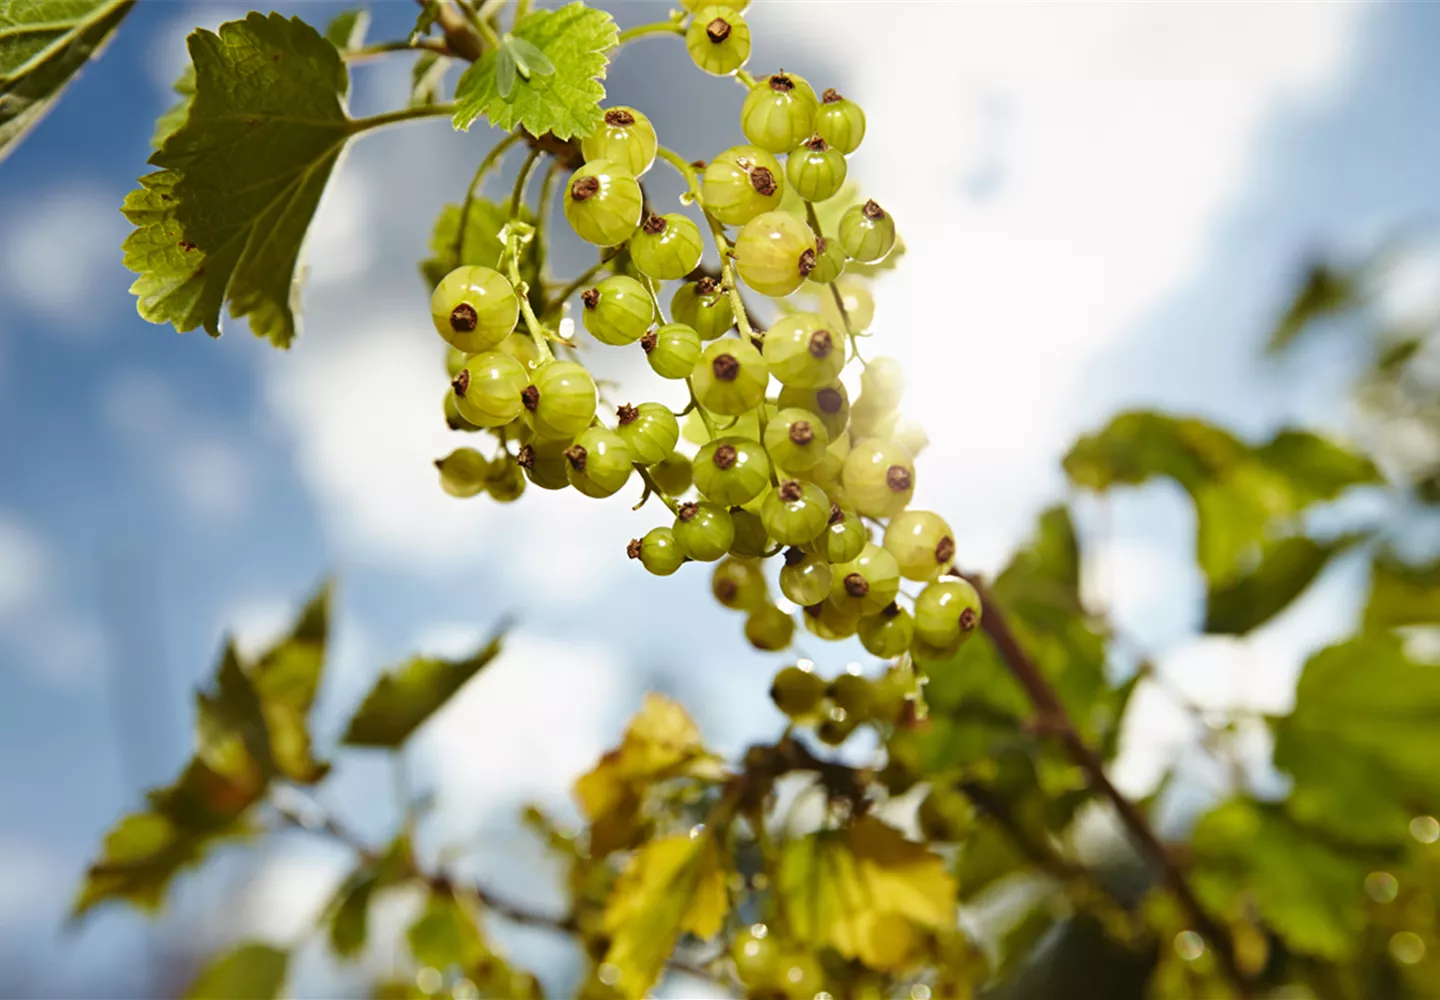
[474, 308]
[769, 629]
[833, 732]
[867, 583]
[704, 531]
[454, 360]
[923, 652]
[797, 692]
[853, 693]
[625, 137]
[803, 352]
[521, 347]
[694, 5]
[840, 122]
[870, 421]
[751, 541]
[945, 816]
[488, 389]
[453, 418]
[741, 183]
[649, 430]
[816, 171]
[598, 462]
[805, 578]
[705, 306]
[730, 377]
[827, 620]
[755, 950]
[921, 543]
[867, 233]
[738, 584]
[560, 400]
[844, 538]
[462, 472]
[796, 440]
[544, 464]
[879, 477]
[603, 203]
[779, 112]
[829, 261]
[667, 247]
[774, 253]
[795, 513]
[618, 310]
[882, 382]
[946, 612]
[911, 436]
[732, 470]
[855, 296]
[889, 633]
[830, 404]
[672, 474]
[718, 39]
[672, 350]
[658, 551]
[505, 481]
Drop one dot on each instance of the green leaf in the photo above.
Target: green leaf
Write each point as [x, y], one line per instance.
[446, 934]
[223, 219]
[404, 698]
[250, 971]
[349, 910]
[1402, 594]
[429, 14]
[1288, 567]
[1316, 468]
[427, 79]
[43, 43]
[529, 61]
[286, 679]
[346, 30]
[1360, 742]
[1325, 291]
[576, 39]
[169, 123]
[481, 244]
[231, 735]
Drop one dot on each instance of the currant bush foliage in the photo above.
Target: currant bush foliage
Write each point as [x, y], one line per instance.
[940, 851]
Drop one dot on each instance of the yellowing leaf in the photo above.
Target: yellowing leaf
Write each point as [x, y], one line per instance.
[671, 885]
[286, 679]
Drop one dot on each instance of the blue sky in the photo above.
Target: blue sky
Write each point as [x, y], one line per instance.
[1102, 203]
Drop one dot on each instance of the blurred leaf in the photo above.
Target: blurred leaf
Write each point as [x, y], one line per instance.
[671, 885]
[1402, 594]
[1307, 891]
[175, 116]
[249, 971]
[230, 726]
[286, 679]
[988, 855]
[1361, 741]
[346, 30]
[1287, 568]
[350, 908]
[43, 43]
[1316, 468]
[446, 935]
[1323, 292]
[427, 80]
[482, 244]
[404, 698]
[429, 14]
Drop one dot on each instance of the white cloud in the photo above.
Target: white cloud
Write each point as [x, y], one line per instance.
[24, 568]
[340, 244]
[211, 476]
[28, 877]
[168, 55]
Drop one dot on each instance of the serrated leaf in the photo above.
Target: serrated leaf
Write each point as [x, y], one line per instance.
[1286, 570]
[404, 698]
[349, 909]
[577, 40]
[43, 44]
[286, 678]
[671, 885]
[1402, 594]
[346, 30]
[427, 79]
[250, 971]
[481, 243]
[223, 219]
[174, 117]
[1360, 742]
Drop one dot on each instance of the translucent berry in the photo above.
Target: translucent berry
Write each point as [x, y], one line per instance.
[455, 360]
[829, 403]
[769, 629]
[672, 474]
[879, 477]
[945, 816]
[474, 308]
[802, 351]
[815, 170]
[705, 306]
[796, 440]
[603, 203]
[779, 112]
[867, 583]
[797, 692]
[829, 262]
[694, 5]
[718, 39]
[827, 473]
[870, 421]
[751, 541]
[922, 543]
[658, 551]
[828, 620]
[946, 612]
[840, 122]
[805, 578]
[649, 430]
[774, 253]
[598, 462]
[732, 470]
[730, 377]
[488, 389]
[521, 347]
[618, 310]
[625, 137]
[560, 401]
[741, 183]
[833, 732]
[911, 436]
[738, 584]
[844, 538]
[854, 694]
[453, 419]
[796, 512]
[704, 531]
[755, 949]
[889, 633]
[855, 296]
[462, 472]
[505, 482]
[544, 464]
[672, 350]
[867, 233]
[667, 247]
[882, 382]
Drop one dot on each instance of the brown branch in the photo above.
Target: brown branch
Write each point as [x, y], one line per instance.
[1052, 718]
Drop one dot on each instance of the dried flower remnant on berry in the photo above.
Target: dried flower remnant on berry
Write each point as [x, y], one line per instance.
[461, 382]
[584, 188]
[626, 414]
[633, 549]
[717, 30]
[898, 478]
[725, 456]
[802, 433]
[726, 367]
[464, 318]
[654, 224]
[590, 297]
[619, 116]
[577, 456]
[821, 344]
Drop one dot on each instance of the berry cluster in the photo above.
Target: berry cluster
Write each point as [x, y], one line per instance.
[788, 472]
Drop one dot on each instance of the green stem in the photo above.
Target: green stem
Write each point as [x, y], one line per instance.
[705, 417]
[585, 278]
[545, 208]
[744, 79]
[517, 196]
[366, 52]
[654, 488]
[728, 279]
[683, 167]
[657, 28]
[359, 125]
[538, 333]
[850, 333]
[481, 172]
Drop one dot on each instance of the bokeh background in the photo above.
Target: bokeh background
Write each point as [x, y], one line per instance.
[1105, 205]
